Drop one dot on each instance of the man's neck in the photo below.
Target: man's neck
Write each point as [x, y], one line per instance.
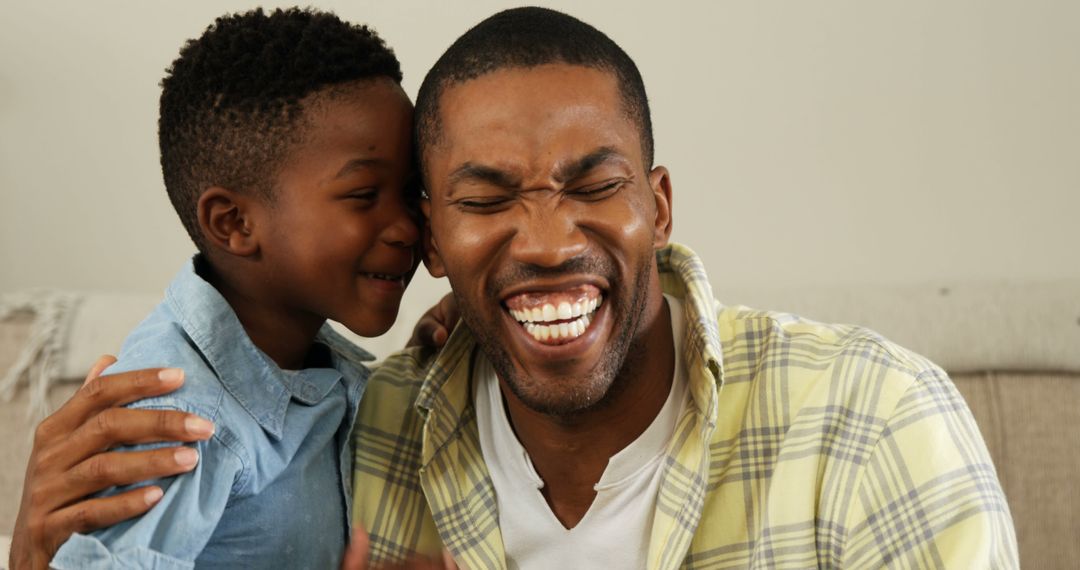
[284, 336]
[571, 454]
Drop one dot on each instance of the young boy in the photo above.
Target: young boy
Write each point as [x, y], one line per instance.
[285, 148]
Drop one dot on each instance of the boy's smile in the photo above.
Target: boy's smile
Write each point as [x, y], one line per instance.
[339, 239]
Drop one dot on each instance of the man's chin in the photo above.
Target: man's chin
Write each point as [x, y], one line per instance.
[562, 388]
[561, 397]
[562, 379]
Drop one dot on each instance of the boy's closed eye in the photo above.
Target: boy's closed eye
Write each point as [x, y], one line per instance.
[363, 194]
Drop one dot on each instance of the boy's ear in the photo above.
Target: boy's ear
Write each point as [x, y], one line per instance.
[227, 221]
[660, 183]
[429, 249]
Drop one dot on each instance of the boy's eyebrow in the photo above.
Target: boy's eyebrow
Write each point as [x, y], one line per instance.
[356, 164]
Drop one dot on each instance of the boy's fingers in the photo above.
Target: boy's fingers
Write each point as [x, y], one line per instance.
[104, 392]
[111, 469]
[123, 426]
[104, 361]
[448, 560]
[428, 332]
[93, 514]
[356, 554]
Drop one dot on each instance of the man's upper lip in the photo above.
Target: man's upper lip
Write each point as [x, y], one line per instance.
[552, 286]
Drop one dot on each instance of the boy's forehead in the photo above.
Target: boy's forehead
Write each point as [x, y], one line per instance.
[360, 122]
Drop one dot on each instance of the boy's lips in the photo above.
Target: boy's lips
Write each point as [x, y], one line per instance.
[396, 272]
[385, 276]
[383, 282]
[391, 279]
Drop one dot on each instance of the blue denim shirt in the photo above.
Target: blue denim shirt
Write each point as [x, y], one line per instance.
[273, 487]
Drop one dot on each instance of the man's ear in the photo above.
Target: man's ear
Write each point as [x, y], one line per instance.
[227, 221]
[430, 249]
[660, 183]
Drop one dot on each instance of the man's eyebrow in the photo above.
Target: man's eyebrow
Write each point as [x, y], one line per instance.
[578, 167]
[480, 173]
[563, 172]
[357, 164]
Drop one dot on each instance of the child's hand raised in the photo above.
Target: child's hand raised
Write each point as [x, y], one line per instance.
[435, 326]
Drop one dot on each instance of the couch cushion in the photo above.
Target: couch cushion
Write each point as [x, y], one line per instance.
[1031, 424]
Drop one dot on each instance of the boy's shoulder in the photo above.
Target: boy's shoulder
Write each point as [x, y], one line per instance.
[160, 341]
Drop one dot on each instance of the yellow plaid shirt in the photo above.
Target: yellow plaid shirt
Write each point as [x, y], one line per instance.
[806, 445]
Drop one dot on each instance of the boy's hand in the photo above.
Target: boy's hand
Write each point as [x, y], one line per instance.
[356, 557]
[435, 326]
[70, 460]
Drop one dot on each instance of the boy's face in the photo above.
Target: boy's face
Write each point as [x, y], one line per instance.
[340, 238]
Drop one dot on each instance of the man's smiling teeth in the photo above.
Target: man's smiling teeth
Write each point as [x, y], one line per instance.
[574, 317]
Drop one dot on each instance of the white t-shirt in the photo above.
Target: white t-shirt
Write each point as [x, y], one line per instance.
[615, 531]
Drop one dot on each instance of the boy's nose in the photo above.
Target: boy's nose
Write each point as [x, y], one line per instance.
[402, 230]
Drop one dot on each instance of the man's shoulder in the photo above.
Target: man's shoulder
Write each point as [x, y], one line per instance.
[812, 416]
[403, 372]
[388, 403]
[819, 366]
[773, 338]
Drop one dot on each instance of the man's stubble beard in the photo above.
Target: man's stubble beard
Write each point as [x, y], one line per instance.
[624, 353]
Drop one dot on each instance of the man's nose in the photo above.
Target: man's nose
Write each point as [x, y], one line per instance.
[547, 238]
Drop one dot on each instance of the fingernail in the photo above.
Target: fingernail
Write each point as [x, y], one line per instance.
[170, 374]
[186, 457]
[152, 495]
[198, 426]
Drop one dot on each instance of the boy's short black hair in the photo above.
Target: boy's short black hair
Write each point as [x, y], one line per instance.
[530, 37]
[231, 103]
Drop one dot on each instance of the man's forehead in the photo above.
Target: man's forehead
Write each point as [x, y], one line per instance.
[508, 86]
[528, 106]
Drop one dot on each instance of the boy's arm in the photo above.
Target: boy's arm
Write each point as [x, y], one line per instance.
[173, 533]
[70, 460]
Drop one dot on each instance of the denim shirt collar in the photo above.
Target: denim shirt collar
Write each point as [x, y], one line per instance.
[256, 381]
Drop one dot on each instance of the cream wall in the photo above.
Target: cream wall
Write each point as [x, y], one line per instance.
[811, 143]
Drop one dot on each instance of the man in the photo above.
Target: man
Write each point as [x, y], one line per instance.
[598, 407]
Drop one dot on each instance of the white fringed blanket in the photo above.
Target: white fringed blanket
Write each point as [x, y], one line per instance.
[39, 362]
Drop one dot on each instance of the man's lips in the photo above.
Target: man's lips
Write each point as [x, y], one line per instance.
[556, 317]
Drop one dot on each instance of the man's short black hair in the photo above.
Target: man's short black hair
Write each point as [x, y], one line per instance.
[524, 38]
[231, 103]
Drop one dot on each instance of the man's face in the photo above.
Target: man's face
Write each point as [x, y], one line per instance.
[545, 220]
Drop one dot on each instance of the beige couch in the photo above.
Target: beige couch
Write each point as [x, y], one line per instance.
[1013, 351]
